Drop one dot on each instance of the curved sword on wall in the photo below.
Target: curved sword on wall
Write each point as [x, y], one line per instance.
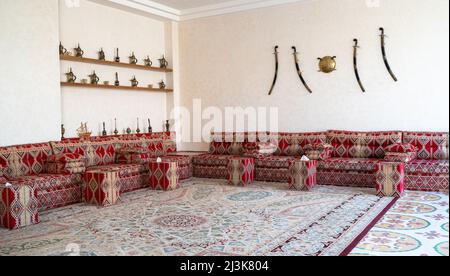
[355, 64]
[299, 72]
[383, 50]
[276, 70]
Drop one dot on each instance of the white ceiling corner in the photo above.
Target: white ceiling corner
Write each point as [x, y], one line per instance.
[180, 10]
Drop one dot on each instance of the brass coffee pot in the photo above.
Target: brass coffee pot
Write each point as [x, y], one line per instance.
[162, 85]
[79, 52]
[134, 82]
[62, 50]
[94, 78]
[163, 63]
[148, 61]
[101, 55]
[133, 59]
[71, 78]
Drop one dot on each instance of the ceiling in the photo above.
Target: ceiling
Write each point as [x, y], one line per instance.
[180, 10]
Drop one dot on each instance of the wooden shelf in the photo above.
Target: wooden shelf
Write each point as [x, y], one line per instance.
[113, 63]
[102, 86]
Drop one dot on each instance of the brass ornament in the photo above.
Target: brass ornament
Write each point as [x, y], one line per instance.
[71, 78]
[94, 78]
[101, 55]
[134, 82]
[133, 59]
[62, 50]
[148, 61]
[79, 52]
[327, 64]
[163, 63]
[162, 85]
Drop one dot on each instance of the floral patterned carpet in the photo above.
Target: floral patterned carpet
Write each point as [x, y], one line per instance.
[416, 226]
[205, 217]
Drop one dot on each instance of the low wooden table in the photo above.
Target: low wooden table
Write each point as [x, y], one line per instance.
[302, 175]
[101, 188]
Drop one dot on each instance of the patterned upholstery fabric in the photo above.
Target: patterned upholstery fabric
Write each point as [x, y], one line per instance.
[101, 188]
[274, 162]
[401, 148]
[18, 206]
[24, 160]
[348, 144]
[293, 144]
[66, 163]
[125, 170]
[3, 180]
[349, 164]
[164, 176]
[259, 148]
[427, 167]
[430, 145]
[185, 166]
[390, 179]
[241, 171]
[319, 151]
[400, 157]
[53, 190]
[302, 175]
[213, 172]
[272, 175]
[220, 148]
[430, 183]
[212, 160]
[346, 179]
[134, 182]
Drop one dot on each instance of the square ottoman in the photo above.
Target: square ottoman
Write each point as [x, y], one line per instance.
[102, 188]
[18, 206]
[390, 179]
[164, 175]
[241, 171]
[302, 175]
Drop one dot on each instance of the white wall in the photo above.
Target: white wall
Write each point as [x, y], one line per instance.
[29, 72]
[227, 60]
[95, 26]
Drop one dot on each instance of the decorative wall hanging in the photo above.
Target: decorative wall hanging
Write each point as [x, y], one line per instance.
[163, 63]
[117, 57]
[276, 70]
[355, 64]
[62, 50]
[327, 64]
[150, 129]
[104, 133]
[117, 82]
[71, 78]
[148, 61]
[383, 50]
[133, 59]
[162, 85]
[101, 55]
[94, 78]
[116, 132]
[299, 72]
[79, 52]
[134, 82]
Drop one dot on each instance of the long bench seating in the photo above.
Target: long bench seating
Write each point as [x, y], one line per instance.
[352, 162]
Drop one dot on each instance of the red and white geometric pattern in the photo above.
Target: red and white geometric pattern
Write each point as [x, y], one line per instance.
[349, 144]
[390, 179]
[272, 175]
[319, 151]
[303, 175]
[137, 155]
[274, 162]
[349, 164]
[18, 206]
[428, 167]
[164, 176]
[212, 160]
[346, 178]
[401, 148]
[241, 171]
[101, 188]
[400, 157]
[430, 145]
[431, 183]
[293, 144]
[185, 167]
[211, 172]
[66, 163]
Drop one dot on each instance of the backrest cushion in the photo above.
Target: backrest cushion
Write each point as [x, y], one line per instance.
[24, 160]
[293, 144]
[350, 144]
[430, 145]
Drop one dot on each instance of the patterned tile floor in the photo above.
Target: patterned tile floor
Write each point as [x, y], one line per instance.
[416, 226]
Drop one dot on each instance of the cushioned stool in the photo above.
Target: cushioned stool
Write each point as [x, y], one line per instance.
[18, 206]
[390, 179]
[102, 188]
[241, 171]
[302, 175]
[164, 176]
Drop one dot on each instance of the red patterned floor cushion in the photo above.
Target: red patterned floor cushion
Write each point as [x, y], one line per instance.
[241, 171]
[212, 160]
[319, 151]
[24, 160]
[390, 179]
[76, 146]
[125, 170]
[349, 164]
[348, 144]
[164, 176]
[259, 149]
[401, 148]
[182, 161]
[132, 155]
[272, 175]
[101, 188]
[427, 167]
[274, 162]
[302, 175]
[430, 145]
[155, 148]
[213, 172]
[97, 150]
[50, 182]
[400, 157]
[292, 144]
[65, 163]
